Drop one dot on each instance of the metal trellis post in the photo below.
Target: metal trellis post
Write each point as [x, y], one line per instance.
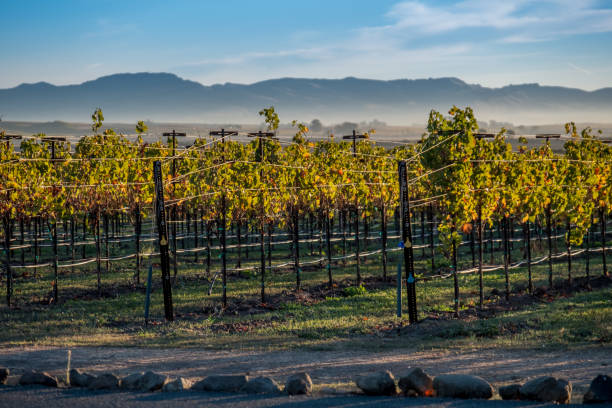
[407, 243]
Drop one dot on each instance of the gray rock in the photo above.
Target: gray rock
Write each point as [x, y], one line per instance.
[38, 378]
[152, 381]
[600, 390]
[180, 384]
[4, 373]
[547, 389]
[107, 381]
[380, 383]
[132, 381]
[79, 379]
[416, 382]
[13, 380]
[298, 384]
[510, 392]
[261, 385]
[221, 383]
[462, 386]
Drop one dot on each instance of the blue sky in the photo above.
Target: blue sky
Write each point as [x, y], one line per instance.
[490, 42]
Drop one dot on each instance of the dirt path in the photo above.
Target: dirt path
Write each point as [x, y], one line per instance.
[326, 367]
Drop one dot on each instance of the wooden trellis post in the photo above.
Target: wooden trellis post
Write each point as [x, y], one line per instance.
[260, 137]
[162, 231]
[354, 138]
[7, 233]
[223, 134]
[173, 217]
[53, 140]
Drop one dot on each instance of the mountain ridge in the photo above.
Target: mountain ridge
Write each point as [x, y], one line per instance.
[168, 97]
[172, 76]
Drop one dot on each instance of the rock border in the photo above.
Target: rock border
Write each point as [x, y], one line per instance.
[413, 382]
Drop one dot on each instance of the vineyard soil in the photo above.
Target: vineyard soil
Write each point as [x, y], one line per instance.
[317, 317]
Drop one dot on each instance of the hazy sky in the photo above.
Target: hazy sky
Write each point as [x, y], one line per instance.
[494, 43]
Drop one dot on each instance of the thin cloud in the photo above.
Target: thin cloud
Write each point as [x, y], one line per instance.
[579, 69]
[313, 53]
[424, 39]
[427, 19]
[515, 20]
[330, 63]
[106, 28]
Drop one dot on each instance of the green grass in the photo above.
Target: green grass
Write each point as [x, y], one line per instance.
[350, 316]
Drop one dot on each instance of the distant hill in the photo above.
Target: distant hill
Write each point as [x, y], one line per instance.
[164, 97]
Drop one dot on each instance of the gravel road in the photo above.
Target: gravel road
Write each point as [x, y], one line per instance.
[37, 397]
[335, 369]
